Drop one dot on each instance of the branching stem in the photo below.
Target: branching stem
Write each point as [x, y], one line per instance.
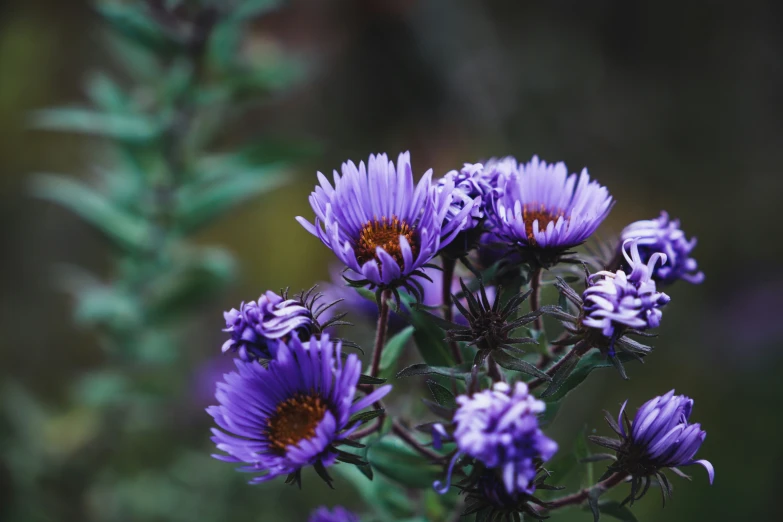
[581, 496]
[405, 435]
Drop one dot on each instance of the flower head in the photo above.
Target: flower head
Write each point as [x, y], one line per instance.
[291, 414]
[544, 211]
[488, 494]
[336, 514]
[659, 437]
[381, 226]
[499, 428]
[615, 302]
[664, 235]
[258, 325]
[489, 327]
[471, 187]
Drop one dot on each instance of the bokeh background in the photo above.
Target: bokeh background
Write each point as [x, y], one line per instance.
[671, 105]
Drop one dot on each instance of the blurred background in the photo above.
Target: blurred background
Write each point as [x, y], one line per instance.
[671, 105]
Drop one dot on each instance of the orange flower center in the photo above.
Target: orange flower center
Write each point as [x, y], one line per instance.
[531, 213]
[295, 420]
[385, 234]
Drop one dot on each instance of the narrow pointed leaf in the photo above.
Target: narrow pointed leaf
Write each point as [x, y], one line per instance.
[588, 363]
[512, 363]
[122, 228]
[442, 395]
[393, 350]
[457, 372]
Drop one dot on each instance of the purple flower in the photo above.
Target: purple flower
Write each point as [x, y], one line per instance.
[498, 170]
[663, 235]
[258, 325]
[614, 302]
[543, 209]
[659, 437]
[337, 514]
[470, 188]
[381, 226]
[292, 413]
[499, 428]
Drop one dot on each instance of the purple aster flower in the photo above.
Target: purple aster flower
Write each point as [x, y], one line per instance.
[613, 306]
[545, 211]
[258, 325]
[663, 235]
[614, 302]
[470, 188]
[379, 224]
[291, 414]
[659, 437]
[337, 514]
[499, 428]
[498, 170]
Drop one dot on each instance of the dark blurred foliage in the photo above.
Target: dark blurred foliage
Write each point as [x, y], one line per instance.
[671, 105]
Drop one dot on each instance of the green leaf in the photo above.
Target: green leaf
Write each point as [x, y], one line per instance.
[586, 364]
[199, 206]
[442, 395]
[196, 276]
[366, 416]
[366, 379]
[125, 230]
[387, 499]
[561, 375]
[592, 503]
[129, 128]
[254, 8]
[456, 372]
[512, 363]
[106, 93]
[392, 350]
[129, 20]
[253, 84]
[395, 460]
[430, 339]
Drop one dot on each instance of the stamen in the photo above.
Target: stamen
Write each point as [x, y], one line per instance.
[544, 216]
[385, 234]
[295, 420]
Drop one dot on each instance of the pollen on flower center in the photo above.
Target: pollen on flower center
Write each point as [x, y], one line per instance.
[385, 233]
[531, 213]
[295, 420]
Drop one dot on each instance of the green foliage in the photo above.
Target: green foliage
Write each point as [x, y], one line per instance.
[578, 370]
[393, 350]
[398, 462]
[176, 168]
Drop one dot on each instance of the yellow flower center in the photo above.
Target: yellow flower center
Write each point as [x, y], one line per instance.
[295, 420]
[533, 212]
[385, 234]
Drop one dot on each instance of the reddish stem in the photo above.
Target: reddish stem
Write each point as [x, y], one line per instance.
[448, 309]
[581, 496]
